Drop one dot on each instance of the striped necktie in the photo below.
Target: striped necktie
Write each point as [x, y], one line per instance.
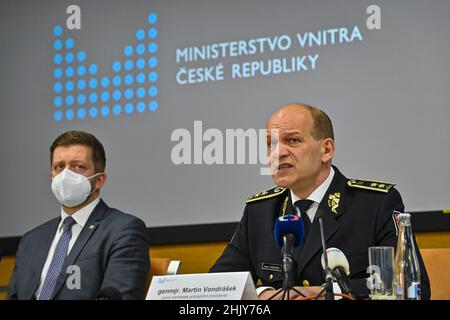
[57, 261]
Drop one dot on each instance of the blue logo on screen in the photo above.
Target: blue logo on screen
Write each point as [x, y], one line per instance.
[81, 91]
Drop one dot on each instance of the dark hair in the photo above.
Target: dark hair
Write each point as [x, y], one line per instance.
[71, 138]
[323, 128]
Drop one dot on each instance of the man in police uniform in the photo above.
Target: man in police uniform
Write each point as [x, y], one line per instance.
[358, 213]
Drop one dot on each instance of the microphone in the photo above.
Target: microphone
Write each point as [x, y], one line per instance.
[288, 224]
[338, 263]
[109, 293]
[329, 295]
[288, 232]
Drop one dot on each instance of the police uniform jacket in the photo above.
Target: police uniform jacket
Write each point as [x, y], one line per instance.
[358, 214]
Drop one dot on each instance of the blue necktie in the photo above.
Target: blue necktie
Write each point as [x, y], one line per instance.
[58, 260]
[304, 205]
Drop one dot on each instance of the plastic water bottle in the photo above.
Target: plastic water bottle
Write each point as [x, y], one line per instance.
[406, 265]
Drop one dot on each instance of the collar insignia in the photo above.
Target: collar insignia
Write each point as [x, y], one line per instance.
[333, 201]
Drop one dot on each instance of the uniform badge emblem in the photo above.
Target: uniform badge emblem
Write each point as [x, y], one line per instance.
[333, 201]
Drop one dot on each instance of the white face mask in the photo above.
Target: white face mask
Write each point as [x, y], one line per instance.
[70, 188]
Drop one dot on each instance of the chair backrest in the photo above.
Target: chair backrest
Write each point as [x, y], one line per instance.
[437, 262]
[6, 270]
[161, 267]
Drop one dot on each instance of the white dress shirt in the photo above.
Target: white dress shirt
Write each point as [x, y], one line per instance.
[80, 217]
[316, 196]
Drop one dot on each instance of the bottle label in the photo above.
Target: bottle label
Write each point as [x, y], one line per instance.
[414, 291]
[399, 290]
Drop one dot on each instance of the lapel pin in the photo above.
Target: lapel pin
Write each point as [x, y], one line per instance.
[91, 227]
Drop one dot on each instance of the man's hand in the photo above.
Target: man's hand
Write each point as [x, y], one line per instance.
[306, 291]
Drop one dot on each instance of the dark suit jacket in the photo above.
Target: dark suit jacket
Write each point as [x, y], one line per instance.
[112, 250]
[363, 218]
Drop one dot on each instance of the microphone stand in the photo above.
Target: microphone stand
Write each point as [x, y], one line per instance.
[288, 266]
[329, 294]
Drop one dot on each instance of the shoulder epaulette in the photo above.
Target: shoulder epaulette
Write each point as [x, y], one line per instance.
[272, 192]
[370, 185]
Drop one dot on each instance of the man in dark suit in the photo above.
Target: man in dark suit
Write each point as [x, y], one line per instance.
[358, 214]
[90, 246]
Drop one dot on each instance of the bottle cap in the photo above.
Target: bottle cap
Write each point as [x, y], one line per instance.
[404, 218]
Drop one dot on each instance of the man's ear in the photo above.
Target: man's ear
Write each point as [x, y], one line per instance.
[100, 181]
[328, 149]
